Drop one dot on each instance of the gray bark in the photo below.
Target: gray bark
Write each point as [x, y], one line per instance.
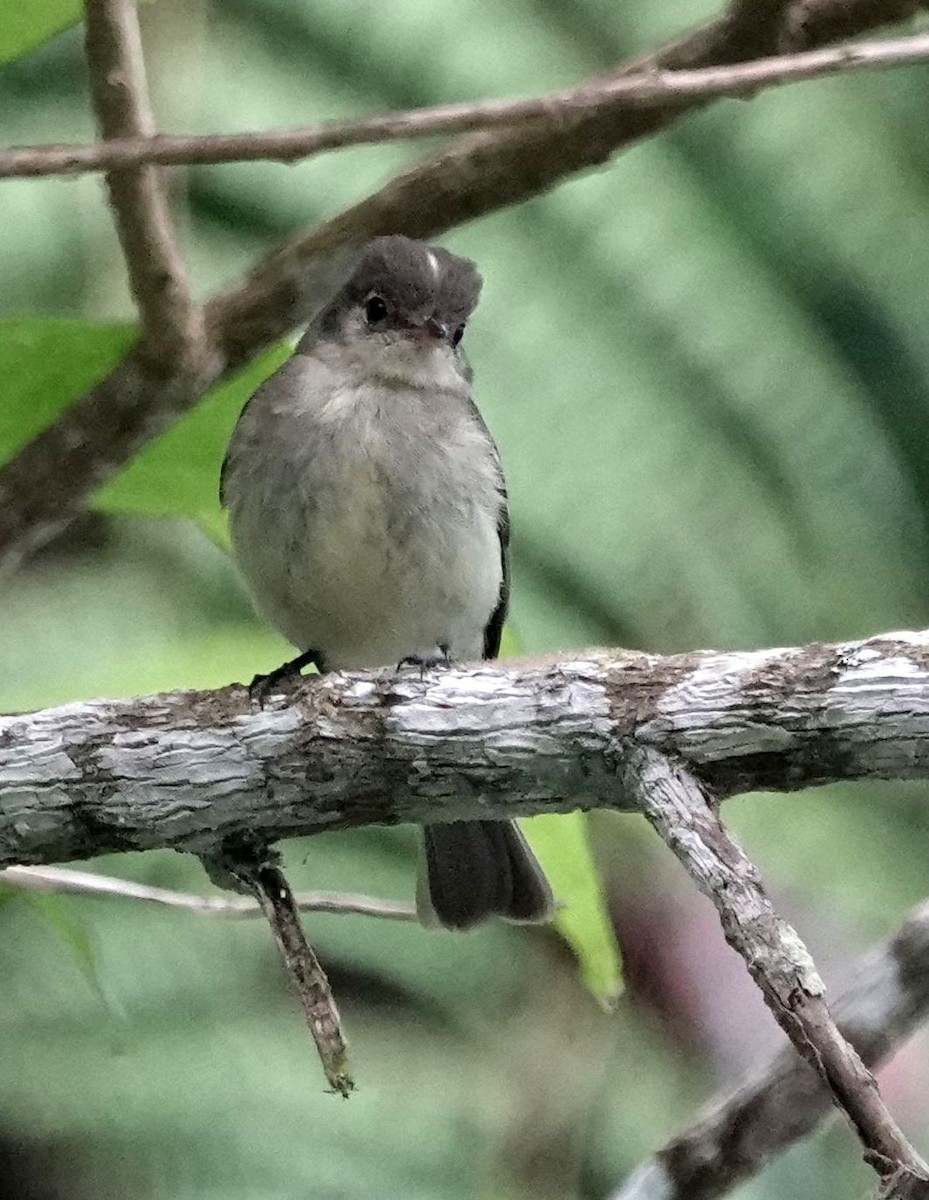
[188, 769]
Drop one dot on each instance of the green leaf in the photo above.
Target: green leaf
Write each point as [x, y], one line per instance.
[60, 914]
[178, 473]
[561, 843]
[45, 364]
[25, 26]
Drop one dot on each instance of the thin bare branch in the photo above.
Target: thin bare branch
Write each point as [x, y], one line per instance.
[86, 883]
[172, 326]
[887, 1000]
[557, 109]
[51, 477]
[684, 816]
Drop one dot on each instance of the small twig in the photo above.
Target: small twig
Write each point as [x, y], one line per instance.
[645, 90]
[172, 326]
[267, 883]
[886, 1001]
[65, 879]
[675, 804]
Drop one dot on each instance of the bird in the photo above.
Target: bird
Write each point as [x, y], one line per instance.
[368, 516]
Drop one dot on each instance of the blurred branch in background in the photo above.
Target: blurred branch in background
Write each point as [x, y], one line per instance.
[761, 25]
[172, 327]
[739, 1133]
[654, 88]
[813, 21]
[171, 360]
[86, 883]
[50, 478]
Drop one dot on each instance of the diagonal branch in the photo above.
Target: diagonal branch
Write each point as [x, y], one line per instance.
[684, 816]
[171, 323]
[557, 110]
[46, 483]
[734, 1139]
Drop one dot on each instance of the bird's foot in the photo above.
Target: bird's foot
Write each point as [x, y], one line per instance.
[426, 662]
[262, 686]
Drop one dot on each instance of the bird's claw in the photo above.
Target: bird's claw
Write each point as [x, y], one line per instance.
[426, 662]
[262, 686]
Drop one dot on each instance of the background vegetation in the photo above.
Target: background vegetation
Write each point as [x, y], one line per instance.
[706, 370]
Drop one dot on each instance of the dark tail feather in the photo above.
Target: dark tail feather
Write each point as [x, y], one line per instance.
[480, 869]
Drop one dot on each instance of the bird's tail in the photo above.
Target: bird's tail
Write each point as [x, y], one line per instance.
[478, 869]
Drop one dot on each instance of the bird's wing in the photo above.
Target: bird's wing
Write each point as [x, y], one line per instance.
[493, 630]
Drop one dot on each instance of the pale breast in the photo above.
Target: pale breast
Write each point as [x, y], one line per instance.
[365, 519]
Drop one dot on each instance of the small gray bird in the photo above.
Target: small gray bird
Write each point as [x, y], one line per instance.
[368, 515]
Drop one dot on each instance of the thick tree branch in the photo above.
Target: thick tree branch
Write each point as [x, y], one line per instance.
[556, 111]
[205, 772]
[684, 816]
[188, 770]
[172, 327]
[51, 477]
[784, 1102]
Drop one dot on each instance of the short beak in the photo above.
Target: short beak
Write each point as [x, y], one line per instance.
[435, 329]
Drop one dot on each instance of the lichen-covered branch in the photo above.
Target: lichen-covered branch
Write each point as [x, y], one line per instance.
[188, 770]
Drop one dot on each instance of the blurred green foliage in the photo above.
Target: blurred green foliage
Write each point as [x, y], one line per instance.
[27, 26]
[706, 368]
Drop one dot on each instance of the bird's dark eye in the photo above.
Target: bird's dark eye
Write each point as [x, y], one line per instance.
[375, 309]
[458, 335]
